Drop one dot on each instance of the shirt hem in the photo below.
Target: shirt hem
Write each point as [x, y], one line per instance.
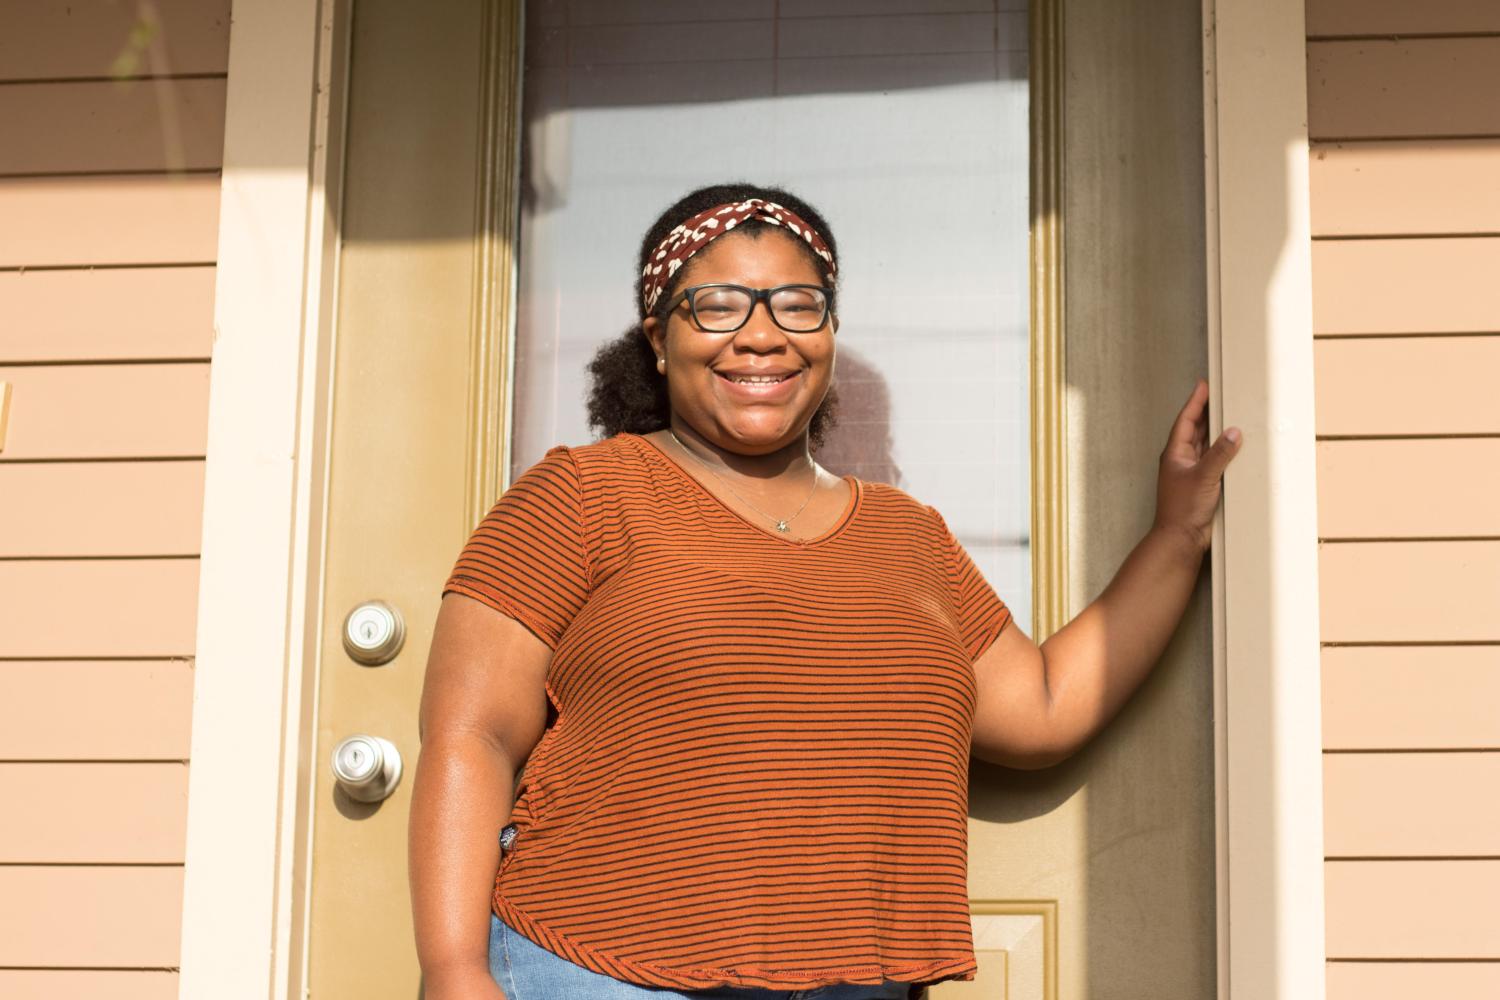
[651, 974]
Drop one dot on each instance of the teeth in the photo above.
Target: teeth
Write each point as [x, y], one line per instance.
[758, 379]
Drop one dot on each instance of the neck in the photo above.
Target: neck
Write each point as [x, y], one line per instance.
[792, 461]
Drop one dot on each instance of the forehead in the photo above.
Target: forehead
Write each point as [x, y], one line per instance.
[759, 257]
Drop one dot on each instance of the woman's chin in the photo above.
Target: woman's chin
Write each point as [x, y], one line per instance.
[760, 436]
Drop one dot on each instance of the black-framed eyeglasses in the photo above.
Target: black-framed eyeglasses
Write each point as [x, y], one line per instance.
[723, 308]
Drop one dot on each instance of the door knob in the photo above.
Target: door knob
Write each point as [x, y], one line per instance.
[367, 768]
[373, 633]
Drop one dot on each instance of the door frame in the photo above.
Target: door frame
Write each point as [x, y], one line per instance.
[245, 897]
[245, 887]
[1268, 747]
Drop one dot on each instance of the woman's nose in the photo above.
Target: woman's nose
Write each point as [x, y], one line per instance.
[760, 331]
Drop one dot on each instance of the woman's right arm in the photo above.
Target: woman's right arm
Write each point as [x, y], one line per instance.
[484, 706]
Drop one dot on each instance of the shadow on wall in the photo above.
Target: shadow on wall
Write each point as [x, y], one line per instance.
[860, 441]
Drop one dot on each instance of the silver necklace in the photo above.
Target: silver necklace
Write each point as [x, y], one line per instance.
[783, 524]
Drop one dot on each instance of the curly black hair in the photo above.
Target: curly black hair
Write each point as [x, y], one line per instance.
[626, 393]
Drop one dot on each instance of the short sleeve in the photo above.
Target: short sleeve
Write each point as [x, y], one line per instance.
[981, 614]
[528, 557]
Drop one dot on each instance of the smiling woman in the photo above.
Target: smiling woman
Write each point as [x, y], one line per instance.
[768, 680]
[628, 391]
[762, 672]
[741, 386]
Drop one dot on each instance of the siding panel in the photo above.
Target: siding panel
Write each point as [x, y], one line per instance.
[1401, 17]
[52, 984]
[1413, 909]
[1407, 489]
[1406, 286]
[1399, 385]
[106, 411]
[105, 710]
[1404, 180]
[1410, 591]
[48, 41]
[82, 608]
[1409, 697]
[91, 813]
[98, 917]
[1403, 88]
[105, 315]
[108, 234]
[109, 219]
[101, 508]
[1411, 805]
[1405, 980]
[113, 126]
[1408, 188]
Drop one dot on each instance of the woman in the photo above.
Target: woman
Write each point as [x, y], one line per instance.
[745, 690]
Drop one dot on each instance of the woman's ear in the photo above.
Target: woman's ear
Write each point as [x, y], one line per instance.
[656, 334]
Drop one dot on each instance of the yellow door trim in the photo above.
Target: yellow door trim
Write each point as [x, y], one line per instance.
[1049, 459]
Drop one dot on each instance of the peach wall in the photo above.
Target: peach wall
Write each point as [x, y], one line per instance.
[109, 188]
[1405, 124]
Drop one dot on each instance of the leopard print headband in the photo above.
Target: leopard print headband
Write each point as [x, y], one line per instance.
[703, 228]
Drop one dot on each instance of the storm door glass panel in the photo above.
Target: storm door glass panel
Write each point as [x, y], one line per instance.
[904, 122]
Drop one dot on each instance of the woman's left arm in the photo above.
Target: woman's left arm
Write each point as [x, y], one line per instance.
[1039, 704]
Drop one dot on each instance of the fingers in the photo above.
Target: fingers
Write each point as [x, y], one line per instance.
[1185, 429]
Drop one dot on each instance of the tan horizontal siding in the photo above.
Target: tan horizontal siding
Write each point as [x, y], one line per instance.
[101, 508]
[93, 917]
[1408, 489]
[1401, 17]
[1407, 385]
[1410, 591]
[51, 40]
[1405, 216]
[1439, 187]
[94, 813]
[1406, 286]
[108, 314]
[84, 608]
[111, 126]
[1411, 697]
[109, 219]
[107, 246]
[105, 411]
[95, 710]
[1410, 980]
[1411, 804]
[87, 984]
[1413, 909]
[1403, 88]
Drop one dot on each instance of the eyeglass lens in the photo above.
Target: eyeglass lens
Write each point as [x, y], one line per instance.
[722, 308]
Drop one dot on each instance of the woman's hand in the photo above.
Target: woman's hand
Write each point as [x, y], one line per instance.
[1187, 483]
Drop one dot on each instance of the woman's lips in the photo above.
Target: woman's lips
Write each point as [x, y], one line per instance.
[747, 388]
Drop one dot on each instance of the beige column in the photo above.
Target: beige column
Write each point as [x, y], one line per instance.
[1265, 549]
[262, 502]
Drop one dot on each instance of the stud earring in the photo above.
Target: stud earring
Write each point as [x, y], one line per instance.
[661, 365]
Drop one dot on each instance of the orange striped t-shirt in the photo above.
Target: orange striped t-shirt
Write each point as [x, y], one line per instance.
[758, 772]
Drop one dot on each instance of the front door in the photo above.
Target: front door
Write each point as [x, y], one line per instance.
[1093, 879]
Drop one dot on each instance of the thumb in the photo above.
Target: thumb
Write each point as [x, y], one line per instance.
[1218, 457]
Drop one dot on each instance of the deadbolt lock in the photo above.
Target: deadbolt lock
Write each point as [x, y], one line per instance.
[373, 633]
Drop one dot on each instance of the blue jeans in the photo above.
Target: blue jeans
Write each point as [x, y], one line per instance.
[527, 971]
